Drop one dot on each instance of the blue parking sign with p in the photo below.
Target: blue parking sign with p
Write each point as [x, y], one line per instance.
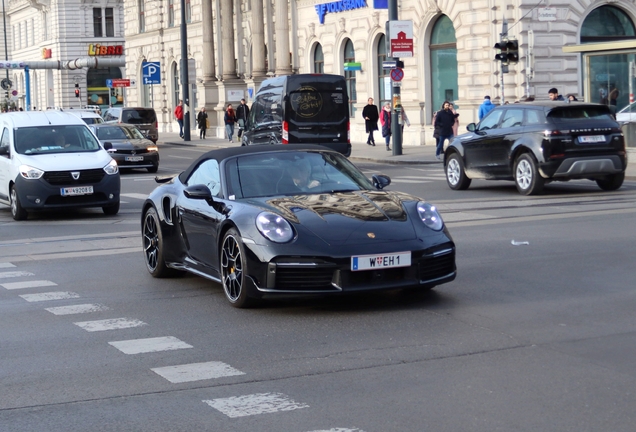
[151, 72]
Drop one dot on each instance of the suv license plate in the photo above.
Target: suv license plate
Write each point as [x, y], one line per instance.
[592, 138]
[134, 158]
[378, 262]
[80, 190]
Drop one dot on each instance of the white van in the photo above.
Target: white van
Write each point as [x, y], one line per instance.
[51, 160]
[89, 116]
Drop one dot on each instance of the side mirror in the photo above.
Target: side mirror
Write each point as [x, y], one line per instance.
[380, 181]
[199, 191]
[108, 145]
[471, 127]
[4, 151]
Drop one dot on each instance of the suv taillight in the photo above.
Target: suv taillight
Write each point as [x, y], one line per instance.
[285, 136]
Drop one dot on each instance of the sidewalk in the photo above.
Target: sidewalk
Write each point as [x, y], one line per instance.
[359, 151]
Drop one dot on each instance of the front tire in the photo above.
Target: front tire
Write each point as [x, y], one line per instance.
[455, 173]
[17, 211]
[234, 269]
[111, 210]
[611, 182]
[153, 246]
[527, 177]
[153, 169]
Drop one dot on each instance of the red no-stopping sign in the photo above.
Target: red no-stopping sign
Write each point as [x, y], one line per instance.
[397, 74]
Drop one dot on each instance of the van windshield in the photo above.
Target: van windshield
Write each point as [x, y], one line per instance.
[54, 139]
[138, 116]
[309, 105]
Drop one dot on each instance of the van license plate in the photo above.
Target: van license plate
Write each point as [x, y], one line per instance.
[592, 138]
[80, 190]
[134, 158]
[378, 262]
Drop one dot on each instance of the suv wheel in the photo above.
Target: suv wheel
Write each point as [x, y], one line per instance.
[527, 177]
[455, 174]
[611, 182]
[17, 211]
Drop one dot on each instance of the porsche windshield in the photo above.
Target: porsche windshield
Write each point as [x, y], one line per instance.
[54, 139]
[295, 172]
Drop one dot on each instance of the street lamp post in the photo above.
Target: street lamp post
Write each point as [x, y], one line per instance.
[6, 49]
[396, 128]
[185, 85]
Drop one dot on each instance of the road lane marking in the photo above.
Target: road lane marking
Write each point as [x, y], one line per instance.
[259, 403]
[134, 195]
[196, 371]
[28, 284]
[138, 346]
[80, 254]
[6, 275]
[56, 295]
[77, 309]
[109, 324]
[6, 265]
[339, 430]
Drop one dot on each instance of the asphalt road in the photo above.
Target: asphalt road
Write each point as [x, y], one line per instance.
[537, 333]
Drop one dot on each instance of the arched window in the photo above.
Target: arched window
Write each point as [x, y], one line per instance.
[175, 85]
[608, 74]
[443, 62]
[319, 60]
[141, 8]
[384, 79]
[350, 76]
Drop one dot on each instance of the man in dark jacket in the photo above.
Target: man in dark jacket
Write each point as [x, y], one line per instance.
[554, 95]
[371, 115]
[444, 120]
[242, 111]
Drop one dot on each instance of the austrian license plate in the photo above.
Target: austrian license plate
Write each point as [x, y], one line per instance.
[378, 262]
[79, 190]
[134, 158]
[592, 138]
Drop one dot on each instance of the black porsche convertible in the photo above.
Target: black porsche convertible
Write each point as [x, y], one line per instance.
[281, 220]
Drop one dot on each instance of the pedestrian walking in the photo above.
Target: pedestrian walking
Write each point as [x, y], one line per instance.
[385, 121]
[202, 122]
[178, 114]
[446, 120]
[371, 115]
[242, 112]
[229, 118]
[405, 119]
[554, 95]
[485, 107]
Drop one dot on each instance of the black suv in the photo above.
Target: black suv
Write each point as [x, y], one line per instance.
[539, 142]
[144, 118]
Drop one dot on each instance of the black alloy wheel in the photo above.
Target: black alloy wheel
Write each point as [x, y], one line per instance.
[611, 182]
[455, 173]
[233, 270]
[526, 174]
[17, 211]
[153, 246]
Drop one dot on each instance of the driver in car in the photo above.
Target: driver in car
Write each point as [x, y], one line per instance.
[301, 176]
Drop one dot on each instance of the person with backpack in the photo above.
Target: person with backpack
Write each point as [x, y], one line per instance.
[385, 121]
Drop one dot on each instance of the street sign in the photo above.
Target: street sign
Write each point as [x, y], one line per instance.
[133, 83]
[6, 84]
[397, 74]
[117, 82]
[401, 37]
[389, 64]
[151, 72]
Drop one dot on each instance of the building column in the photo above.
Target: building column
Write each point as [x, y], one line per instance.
[227, 45]
[209, 66]
[258, 39]
[282, 38]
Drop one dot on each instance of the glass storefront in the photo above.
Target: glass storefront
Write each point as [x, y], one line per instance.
[98, 93]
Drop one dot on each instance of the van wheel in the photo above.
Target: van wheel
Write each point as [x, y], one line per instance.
[111, 210]
[17, 211]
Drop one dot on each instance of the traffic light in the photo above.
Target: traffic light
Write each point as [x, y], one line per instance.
[77, 90]
[513, 51]
[508, 51]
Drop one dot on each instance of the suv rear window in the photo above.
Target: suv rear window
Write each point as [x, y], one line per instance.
[138, 116]
[580, 113]
[309, 105]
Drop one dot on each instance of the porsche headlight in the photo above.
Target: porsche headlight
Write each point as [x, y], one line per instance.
[274, 227]
[111, 168]
[28, 172]
[429, 215]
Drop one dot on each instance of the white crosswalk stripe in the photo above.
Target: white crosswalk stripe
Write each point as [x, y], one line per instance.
[109, 324]
[134, 195]
[260, 403]
[339, 430]
[57, 295]
[76, 309]
[6, 265]
[139, 346]
[14, 274]
[196, 371]
[28, 284]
